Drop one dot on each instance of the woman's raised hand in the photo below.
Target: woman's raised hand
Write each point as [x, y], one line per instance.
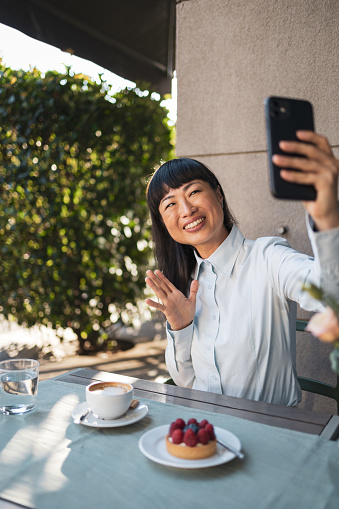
[319, 168]
[178, 309]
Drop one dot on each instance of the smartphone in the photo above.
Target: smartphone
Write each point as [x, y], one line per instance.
[283, 118]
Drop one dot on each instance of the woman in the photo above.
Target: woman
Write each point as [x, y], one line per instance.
[230, 303]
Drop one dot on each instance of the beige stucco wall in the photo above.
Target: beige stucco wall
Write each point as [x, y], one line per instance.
[230, 56]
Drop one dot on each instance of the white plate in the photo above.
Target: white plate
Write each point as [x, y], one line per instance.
[153, 445]
[130, 417]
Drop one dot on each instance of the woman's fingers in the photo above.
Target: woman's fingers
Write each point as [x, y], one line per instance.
[306, 178]
[165, 282]
[194, 290]
[154, 304]
[301, 155]
[178, 309]
[294, 162]
[310, 161]
[161, 286]
[159, 280]
[311, 145]
[314, 160]
[159, 292]
[155, 282]
[316, 139]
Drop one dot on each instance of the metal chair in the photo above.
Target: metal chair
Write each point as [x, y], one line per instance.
[307, 384]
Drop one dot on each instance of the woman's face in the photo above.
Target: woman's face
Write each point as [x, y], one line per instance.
[193, 214]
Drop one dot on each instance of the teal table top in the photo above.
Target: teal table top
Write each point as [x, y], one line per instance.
[47, 461]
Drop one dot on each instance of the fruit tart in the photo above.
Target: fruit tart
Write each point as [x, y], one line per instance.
[192, 440]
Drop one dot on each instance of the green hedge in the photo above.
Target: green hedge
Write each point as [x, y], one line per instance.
[74, 228]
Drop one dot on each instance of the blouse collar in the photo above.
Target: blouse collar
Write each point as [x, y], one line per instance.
[224, 257]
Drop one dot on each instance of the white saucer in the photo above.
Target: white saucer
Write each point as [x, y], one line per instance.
[130, 417]
[153, 445]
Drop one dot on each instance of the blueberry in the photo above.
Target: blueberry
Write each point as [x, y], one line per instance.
[193, 427]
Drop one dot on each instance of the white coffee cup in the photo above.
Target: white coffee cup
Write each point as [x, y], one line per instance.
[109, 400]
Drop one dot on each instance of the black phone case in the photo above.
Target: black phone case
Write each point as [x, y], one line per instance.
[284, 117]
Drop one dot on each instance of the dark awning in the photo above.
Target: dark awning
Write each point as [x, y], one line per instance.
[132, 38]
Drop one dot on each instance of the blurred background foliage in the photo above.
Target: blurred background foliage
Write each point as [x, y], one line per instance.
[74, 228]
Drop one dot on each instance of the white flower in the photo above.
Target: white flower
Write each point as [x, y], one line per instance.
[325, 326]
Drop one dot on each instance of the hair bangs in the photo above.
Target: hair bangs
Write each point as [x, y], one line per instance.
[172, 175]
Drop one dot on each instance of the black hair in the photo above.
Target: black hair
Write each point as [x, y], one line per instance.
[175, 260]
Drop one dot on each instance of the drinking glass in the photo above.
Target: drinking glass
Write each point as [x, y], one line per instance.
[18, 386]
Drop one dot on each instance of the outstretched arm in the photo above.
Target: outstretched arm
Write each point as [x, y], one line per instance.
[319, 168]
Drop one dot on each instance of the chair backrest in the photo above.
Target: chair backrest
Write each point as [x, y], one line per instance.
[307, 384]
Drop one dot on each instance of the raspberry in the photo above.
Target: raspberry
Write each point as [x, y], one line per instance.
[203, 423]
[180, 423]
[173, 427]
[190, 438]
[192, 421]
[203, 436]
[210, 430]
[177, 436]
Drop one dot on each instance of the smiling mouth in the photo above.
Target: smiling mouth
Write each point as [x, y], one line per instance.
[194, 224]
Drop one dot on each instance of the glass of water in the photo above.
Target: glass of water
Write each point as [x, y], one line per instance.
[18, 386]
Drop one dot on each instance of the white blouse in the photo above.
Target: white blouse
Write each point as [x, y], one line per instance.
[243, 341]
